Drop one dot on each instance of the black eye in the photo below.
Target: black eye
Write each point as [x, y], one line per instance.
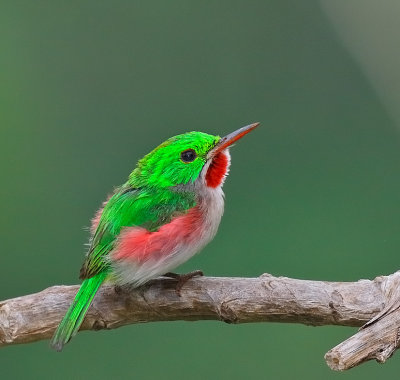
[188, 155]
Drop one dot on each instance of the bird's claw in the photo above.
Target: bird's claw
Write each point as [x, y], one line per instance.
[182, 279]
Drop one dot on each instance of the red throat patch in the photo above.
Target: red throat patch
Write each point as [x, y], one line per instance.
[217, 170]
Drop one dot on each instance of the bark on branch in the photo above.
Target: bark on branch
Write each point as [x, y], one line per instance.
[233, 300]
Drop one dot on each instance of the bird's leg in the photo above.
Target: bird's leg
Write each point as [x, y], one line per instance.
[183, 279]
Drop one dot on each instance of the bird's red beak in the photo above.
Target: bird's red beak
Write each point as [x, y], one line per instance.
[228, 140]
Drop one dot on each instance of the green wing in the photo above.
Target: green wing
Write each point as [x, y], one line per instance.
[129, 207]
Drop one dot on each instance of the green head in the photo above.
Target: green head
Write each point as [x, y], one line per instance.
[181, 159]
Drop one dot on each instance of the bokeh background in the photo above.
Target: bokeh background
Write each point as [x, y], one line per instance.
[87, 88]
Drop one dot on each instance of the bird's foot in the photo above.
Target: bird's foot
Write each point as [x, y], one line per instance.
[183, 279]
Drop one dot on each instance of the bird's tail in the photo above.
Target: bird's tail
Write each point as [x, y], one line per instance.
[71, 322]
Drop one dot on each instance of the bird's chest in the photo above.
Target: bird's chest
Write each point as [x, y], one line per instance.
[198, 227]
[201, 225]
[141, 255]
[209, 210]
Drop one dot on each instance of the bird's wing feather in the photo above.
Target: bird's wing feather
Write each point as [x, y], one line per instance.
[130, 207]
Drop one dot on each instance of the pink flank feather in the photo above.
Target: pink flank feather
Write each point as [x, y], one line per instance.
[138, 244]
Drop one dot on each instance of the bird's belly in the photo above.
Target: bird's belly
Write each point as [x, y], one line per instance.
[141, 255]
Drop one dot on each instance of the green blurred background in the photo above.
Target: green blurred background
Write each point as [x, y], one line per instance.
[87, 88]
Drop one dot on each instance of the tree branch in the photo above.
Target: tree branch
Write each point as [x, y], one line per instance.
[233, 300]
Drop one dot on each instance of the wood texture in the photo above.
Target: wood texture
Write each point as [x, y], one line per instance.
[233, 300]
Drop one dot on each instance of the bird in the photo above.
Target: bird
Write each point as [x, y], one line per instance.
[168, 210]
